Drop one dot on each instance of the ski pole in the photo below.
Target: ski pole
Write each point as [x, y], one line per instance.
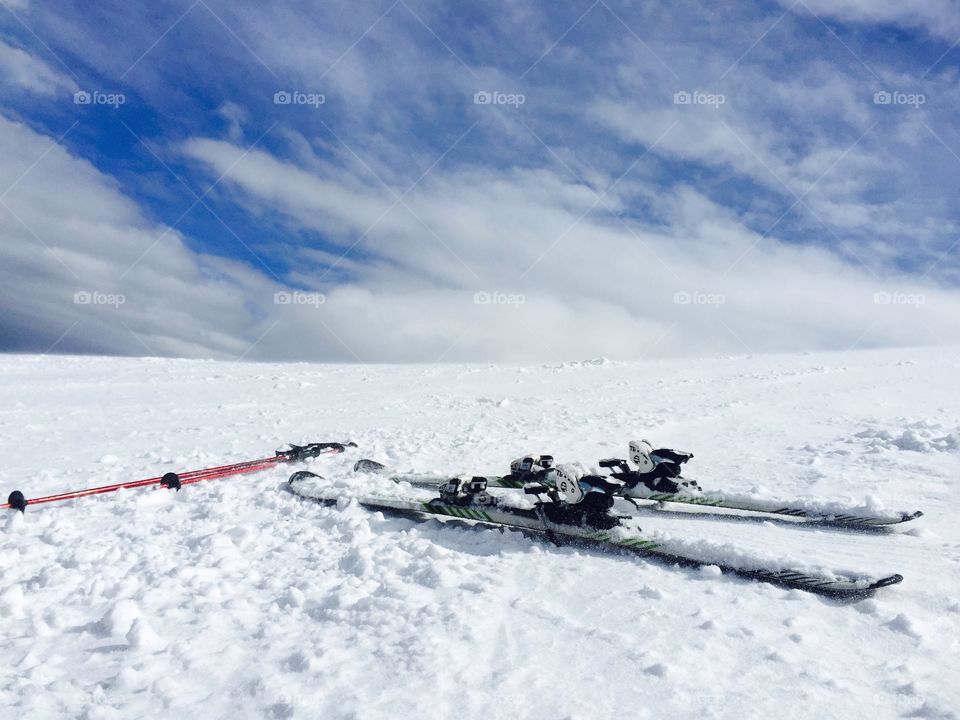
[296, 453]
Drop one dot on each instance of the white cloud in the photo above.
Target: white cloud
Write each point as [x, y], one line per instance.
[66, 228]
[813, 137]
[236, 117]
[21, 69]
[940, 18]
[593, 287]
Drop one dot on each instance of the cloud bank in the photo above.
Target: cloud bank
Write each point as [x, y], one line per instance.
[483, 189]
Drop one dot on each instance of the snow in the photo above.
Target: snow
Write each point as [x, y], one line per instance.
[235, 598]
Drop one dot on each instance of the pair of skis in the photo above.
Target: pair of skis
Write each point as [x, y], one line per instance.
[590, 521]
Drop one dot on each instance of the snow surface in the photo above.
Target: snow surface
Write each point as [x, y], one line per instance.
[233, 598]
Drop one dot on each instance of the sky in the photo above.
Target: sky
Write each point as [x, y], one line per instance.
[419, 181]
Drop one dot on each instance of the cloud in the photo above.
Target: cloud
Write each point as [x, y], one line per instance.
[19, 68]
[235, 116]
[701, 282]
[808, 153]
[67, 229]
[940, 18]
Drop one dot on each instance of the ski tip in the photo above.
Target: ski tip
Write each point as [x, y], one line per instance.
[171, 480]
[366, 465]
[302, 475]
[887, 581]
[16, 501]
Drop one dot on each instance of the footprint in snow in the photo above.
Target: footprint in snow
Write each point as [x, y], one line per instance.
[657, 669]
[650, 593]
[903, 624]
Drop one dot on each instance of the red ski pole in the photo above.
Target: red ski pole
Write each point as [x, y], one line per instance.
[296, 453]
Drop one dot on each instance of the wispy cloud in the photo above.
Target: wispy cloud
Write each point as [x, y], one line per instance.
[20, 69]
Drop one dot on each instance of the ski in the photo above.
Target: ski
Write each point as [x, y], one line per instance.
[812, 513]
[593, 526]
[296, 453]
[675, 490]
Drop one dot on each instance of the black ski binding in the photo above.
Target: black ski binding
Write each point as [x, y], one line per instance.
[530, 467]
[618, 465]
[458, 491]
[593, 511]
[664, 478]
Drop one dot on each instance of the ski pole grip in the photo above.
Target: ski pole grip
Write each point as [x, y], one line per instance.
[296, 453]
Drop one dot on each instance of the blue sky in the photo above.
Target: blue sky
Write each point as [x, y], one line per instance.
[648, 179]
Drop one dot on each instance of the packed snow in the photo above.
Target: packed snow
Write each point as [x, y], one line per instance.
[235, 598]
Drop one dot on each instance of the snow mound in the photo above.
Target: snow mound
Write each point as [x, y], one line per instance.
[922, 436]
[12, 602]
[119, 618]
[143, 638]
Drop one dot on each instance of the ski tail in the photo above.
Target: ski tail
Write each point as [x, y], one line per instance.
[812, 513]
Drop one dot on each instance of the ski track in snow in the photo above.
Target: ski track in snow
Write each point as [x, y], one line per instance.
[235, 599]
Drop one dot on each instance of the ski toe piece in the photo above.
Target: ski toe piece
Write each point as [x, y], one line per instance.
[366, 465]
[302, 475]
[887, 581]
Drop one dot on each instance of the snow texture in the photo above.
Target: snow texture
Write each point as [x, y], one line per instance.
[233, 598]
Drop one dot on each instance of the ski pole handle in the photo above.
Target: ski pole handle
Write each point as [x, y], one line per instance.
[297, 453]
